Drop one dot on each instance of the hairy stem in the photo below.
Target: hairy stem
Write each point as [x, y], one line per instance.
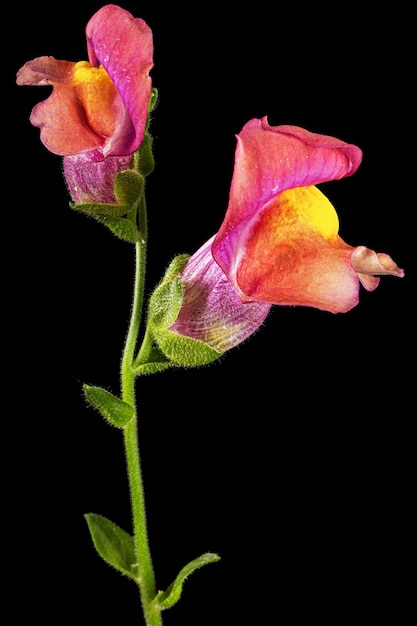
[146, 579]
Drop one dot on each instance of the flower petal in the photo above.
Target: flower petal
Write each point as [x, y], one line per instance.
[279, 240]
[93, 181]
[44, 71]
[368, 263]
[101, 107]
[211, 310]
[271, 159]
[123, 45]
[288, 260]
[62, 110]
[268, 161]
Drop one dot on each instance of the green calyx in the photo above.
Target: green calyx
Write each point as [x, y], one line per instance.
[164, 306]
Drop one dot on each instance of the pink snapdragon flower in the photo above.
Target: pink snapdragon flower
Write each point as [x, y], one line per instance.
[279, 240]
[97, 111]
[98, 106]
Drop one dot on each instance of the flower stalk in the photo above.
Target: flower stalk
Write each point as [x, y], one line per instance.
[146, 576]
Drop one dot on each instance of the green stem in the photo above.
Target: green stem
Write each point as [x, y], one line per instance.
[146, 579]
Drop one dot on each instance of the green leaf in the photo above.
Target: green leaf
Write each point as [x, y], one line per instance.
[167, 599]
[114, 410]
[114, 545]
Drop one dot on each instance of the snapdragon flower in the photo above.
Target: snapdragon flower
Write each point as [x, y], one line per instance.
[96, 115]
[277, 245]
[279, 241]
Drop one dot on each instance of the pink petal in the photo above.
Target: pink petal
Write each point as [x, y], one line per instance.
[61, 111]
[45, 71]
[123, 45]
[212, 310]
[93, 181]
[269, 160]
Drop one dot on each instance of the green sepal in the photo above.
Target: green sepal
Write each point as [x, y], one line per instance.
[184, 351]
[113, 544]
[165, 302]
[122, 227]
[146, 159]
[153, 99]
[167, 599]
[153, 367]
[175, 267]
[128, 187]
[156, 361]
[101, 210]
[164, 306]
[114, 410]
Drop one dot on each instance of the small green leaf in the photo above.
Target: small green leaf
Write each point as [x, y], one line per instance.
[167, 599]
[114, 410]
[114, 545]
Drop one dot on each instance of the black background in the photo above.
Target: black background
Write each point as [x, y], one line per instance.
[294, 457]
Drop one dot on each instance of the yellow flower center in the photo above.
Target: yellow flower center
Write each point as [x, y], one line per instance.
[309, 204]
[98, 96]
